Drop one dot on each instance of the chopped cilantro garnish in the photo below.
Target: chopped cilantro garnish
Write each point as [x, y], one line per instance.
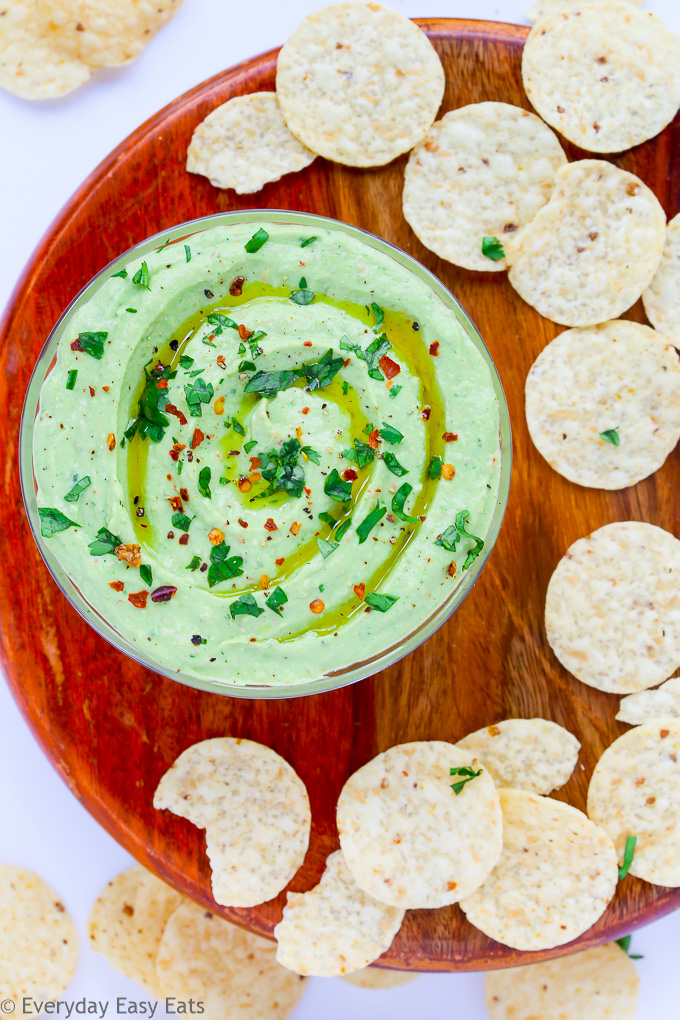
[105, 543]
[345, 388]
[146, 574]
[270, 383]
[259, 238]
[180, 465]
[204, 482]
[369, 522]
[185, 361]
[245, 605]
[611, 436]
[181, 521]
[71, 378]
[390, 461]
[277, 599]
[492, 248]
[187, 252]
[372, 355]
[222, 565]
[327, 519]
[368, 429]
[321, 373]
[237, 427]
[133, 311]
[303, 296]
[196, 394]
[343, 529]
[326, 548]
[381, 602]
[195, 563]
[307, 240]
[450, 538]
[52, 521]
[468, 775]
[395, 391]
[398, 500]
[379, 315]
[73, 495]
[246, 366]
[249, 445]
[121, 272]
[628, 853]
[317, 373]
[311, 454]
[150, 420]
[625, 945]
[303, 283]
[92, 344]
[361, 455]
[336, 488]
[434, 468]
[142, 276]
[390, 434]
[221, 322]
[164, 245]
[281, 469]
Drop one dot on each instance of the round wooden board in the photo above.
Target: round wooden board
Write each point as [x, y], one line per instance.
[112, 729]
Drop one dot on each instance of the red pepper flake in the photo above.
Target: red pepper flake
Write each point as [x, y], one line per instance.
[295, 528]
[308, 490]
[346, 362]
[279, 561]
[116, 585]
[448, 471]
[374, 439]
[305, 410]
[176, 504]
[138, 599]
[175, 452]
[255, 476]
[216, 537]
[244, 333]
[236, 288]
[184, 539]
[317, 606]
[389, 368]
[452, 569]
[184, 493]
[92, 390]
[106, 388]
[75, 345]
[255, 462]
[306, 343]
[359, 590]
[197, 438]
[434, 349]
[270, 524]
[164, 593]
[244, 524]
[111, 441]
[450, 437]
[171, 409]
[244, 484]
[425, 413]
[350, 475]
[130, 554]
[162, 384]
[221, 363]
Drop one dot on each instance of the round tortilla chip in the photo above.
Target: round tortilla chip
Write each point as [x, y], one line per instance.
[590, 387]
[112, 928]
[38, 941]
[255, 811]
[534, 754]
[336, 927]
[556, 875]
[662, 297]
[407, 838]
[234, 973]
[590, 252]
[481, 171]
[32, 65]
[379, 978]
[245, 143]
[606, 75]
[597, 984]
[662, 703]
[359, 83]
[544, 7]
[635, 791]
[104, 33]
[612, 609]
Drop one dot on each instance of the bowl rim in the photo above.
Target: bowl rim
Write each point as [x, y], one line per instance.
[329, 681]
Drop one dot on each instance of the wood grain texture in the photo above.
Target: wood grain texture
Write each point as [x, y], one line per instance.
[112, 729]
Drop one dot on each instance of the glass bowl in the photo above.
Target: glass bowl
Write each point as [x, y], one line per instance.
[331, 679]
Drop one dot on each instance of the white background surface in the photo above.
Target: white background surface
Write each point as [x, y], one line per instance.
[46, 150]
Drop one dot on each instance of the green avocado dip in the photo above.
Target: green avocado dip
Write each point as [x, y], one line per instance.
[262, 456]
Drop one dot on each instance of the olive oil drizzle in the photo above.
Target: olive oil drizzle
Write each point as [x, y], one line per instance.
[414, 355]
